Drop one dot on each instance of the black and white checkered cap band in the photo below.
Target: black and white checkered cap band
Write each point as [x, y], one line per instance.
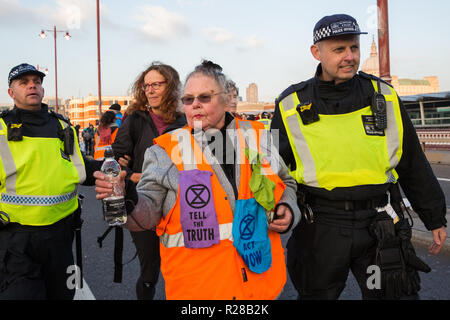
[336, 29]
[322, 33]
[21, 69]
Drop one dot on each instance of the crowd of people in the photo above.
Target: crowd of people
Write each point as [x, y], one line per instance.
[209, 192]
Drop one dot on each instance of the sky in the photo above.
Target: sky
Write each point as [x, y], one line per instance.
[261, 41]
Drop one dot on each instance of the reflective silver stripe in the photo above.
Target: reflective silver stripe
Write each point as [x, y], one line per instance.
[186, 149]
[76, 156]
[249, 136]
[301, 146]
[8, 163]
[177, 240]
[392, 131]
[385, 89]
[21, 200]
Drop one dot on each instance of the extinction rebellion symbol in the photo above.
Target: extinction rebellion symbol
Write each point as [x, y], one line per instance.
[247, 227]
[198, 196]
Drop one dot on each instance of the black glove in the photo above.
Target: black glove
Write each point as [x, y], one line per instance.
[411, 259]
[411, 280]
[389, 258]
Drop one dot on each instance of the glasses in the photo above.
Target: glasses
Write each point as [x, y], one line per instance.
[202, 98]
[155, 85]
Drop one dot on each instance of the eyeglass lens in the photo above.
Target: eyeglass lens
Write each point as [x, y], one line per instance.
[203, 98]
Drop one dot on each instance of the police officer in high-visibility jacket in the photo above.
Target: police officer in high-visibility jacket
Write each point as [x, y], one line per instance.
[219, 196]
[265, 120]
[348, 141]
[40, 168]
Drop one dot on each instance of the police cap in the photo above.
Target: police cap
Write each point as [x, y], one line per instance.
[335, 25]
[22, 69]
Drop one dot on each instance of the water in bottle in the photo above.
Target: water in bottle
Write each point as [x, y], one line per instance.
[114, 210]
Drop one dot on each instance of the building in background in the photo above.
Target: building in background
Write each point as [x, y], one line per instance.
[254, 108]
[252, 93]
[408, 87]
[51, 102]
[403, 87]
[84, 111]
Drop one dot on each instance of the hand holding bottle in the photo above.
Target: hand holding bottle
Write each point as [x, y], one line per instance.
[113, 192]
[103, 187]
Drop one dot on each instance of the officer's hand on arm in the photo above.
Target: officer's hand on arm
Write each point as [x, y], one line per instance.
[439, 236]
[282, 220]
[135, 177]
[124, 161]
[103, 187]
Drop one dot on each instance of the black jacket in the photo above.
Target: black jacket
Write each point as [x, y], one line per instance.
[415, 174]
[136, 134]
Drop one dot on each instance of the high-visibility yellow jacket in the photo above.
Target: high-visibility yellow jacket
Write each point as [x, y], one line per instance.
[266, 123]
[38, 181]
[344, 150]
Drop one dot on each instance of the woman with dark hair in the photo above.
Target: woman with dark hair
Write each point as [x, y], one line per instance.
[105, 134]
[156, 94]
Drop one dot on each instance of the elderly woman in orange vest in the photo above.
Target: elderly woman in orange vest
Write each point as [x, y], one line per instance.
[105, 134]
[219, 195]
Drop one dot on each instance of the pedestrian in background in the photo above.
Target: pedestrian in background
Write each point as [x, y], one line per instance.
[88, 137]
[119, 116]
[105, 134]
[233, 96]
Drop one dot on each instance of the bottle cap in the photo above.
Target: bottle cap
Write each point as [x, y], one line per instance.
[109, 153]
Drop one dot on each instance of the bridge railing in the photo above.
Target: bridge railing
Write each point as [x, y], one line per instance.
[434, 139]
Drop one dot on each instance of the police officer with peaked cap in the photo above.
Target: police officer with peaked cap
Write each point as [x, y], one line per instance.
[40, 168]
[349, 143]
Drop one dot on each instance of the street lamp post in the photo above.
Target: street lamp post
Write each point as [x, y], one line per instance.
[39, 69]
[67, 37]
[383, 40]
[98, 61]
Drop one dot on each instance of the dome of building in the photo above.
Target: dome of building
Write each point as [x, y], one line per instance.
[372, 65]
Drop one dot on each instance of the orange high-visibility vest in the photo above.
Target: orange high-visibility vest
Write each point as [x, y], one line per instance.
[217, 272]
[99, 148]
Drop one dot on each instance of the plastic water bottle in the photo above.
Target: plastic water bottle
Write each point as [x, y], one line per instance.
[114, 210]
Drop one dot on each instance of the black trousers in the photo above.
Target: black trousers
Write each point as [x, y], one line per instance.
[320, 255]
[147, 246]
[34, 262]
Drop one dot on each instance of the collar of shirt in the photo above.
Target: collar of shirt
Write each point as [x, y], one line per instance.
[36, 118]
[328, 90]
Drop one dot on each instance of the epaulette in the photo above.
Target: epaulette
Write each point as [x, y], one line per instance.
[372, 77]
[4, 113]
[293, 88]
[60, 117]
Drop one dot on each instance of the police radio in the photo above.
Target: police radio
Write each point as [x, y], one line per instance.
[379, 109]
[66, 135]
